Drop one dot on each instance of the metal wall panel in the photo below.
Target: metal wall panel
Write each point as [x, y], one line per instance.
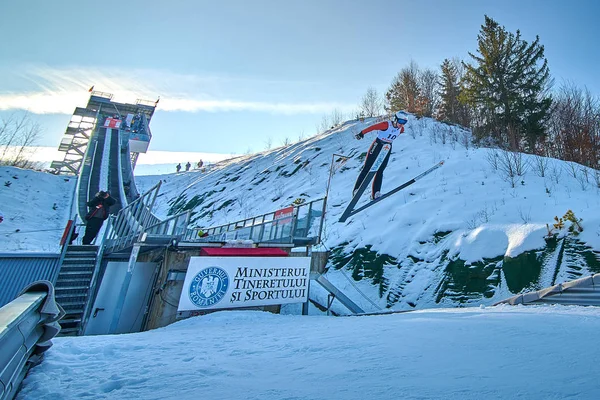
[17, 270]
[582, 292]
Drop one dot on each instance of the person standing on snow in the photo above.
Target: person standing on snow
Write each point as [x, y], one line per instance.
[388, 132]
[99, 210]
[1, 216]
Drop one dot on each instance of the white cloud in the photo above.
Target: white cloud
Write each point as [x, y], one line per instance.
[59, 91]
[193, 105]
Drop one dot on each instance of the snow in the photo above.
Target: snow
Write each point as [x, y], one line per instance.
[466, 210]
[36, 207]
[469, 198]
[534, 352]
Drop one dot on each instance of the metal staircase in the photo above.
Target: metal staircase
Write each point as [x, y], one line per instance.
[73, 286]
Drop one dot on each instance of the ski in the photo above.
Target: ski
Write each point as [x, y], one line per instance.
[365, 183]
[395, 190]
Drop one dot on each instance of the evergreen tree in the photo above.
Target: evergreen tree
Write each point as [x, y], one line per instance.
[507, 87]
[449, 91]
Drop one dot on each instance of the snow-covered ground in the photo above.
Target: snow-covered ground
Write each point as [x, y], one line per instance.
[477, 353]
[36, 207]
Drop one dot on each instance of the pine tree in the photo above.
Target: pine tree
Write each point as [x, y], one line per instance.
[449, 91]
[507, 87]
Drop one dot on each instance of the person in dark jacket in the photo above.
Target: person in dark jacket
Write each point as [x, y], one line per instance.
[99, 211]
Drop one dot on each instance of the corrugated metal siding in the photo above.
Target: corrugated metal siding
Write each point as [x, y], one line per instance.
[583, 292]
[19, 270]
[589, 296]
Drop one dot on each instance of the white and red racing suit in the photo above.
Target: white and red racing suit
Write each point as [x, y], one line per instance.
[386, 135]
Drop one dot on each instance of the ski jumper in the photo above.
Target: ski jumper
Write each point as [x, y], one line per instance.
[386, 135]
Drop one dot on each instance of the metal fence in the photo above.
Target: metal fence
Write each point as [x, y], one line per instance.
[172, 226]
[17, 270]
[297, 225]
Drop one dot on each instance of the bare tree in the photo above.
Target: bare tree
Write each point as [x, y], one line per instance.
[301, 136]
[17, 136]
[404, 91]
[336, 117]
[330, 121]
[268, 143]
[574, 127]
[371, 104]
[511, 164]
[540, 165]
[324, 126]
[428, 97]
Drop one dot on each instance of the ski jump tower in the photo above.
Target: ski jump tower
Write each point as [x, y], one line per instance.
[102, 112]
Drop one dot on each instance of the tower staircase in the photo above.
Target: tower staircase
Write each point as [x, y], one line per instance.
[73, 285]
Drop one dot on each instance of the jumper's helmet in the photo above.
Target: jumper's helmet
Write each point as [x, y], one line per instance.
[401, 117]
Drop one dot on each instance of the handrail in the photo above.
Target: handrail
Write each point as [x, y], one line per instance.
[130, 221]
[267, 228]
[174, 225]
[124, 199]
[27, 326]
[105, 95]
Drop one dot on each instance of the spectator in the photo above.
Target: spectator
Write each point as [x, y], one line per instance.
[99, 210]
[187, 166]
[178, 167]
[200, 164]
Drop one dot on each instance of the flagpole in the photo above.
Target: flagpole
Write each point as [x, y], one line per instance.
[331, 170]
[346, 158]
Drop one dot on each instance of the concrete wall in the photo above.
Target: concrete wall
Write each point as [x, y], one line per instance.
[163, 309]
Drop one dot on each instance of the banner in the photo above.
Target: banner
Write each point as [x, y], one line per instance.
[112, 123]
[284, 216]
[232, 282]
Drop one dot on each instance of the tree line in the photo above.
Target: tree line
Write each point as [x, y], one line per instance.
[505, 94]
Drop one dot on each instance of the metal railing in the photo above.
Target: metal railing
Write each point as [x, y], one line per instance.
[27, 326]
[172, 226]
[149, 103]
[129, 223]
[104, 95]
[302, 225]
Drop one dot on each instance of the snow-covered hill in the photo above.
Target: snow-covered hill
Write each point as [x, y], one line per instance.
[36, 207]
[468, 233]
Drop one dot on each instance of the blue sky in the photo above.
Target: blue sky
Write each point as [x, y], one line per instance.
[233, 74]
